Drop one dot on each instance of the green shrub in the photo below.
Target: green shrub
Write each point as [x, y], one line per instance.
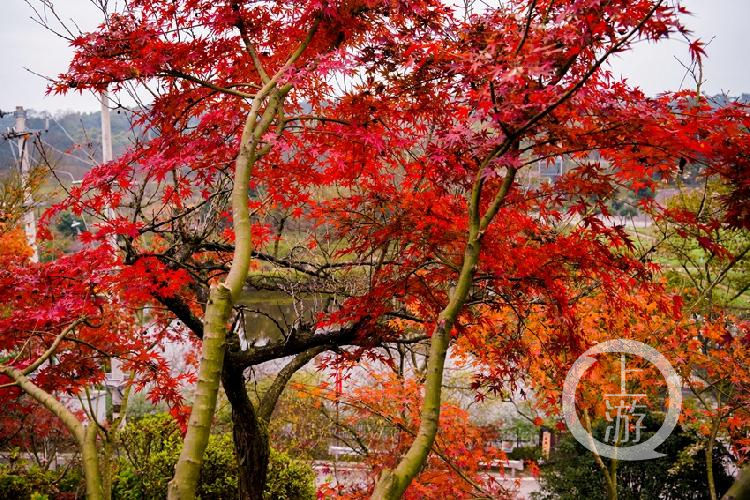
[288, 479]
[525, 453]
[14, 485]
[21, 481]
[219, 472]
[127, 485]
[151, 446]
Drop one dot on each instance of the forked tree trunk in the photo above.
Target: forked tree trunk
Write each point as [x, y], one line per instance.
[85, 435]
[219, 307]
[393, 483]
[223, 295]
[250, 423]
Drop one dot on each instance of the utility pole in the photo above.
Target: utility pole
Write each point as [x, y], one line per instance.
[106, 128]
[115, 377]
[29, 219]
[107, 150]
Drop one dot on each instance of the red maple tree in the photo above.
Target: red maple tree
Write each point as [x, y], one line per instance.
[405, 144]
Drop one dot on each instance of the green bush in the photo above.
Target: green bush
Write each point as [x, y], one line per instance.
[288, 479]
[526, 453]
[219, 472]
[21, 481]
[127, 484]
[14, 485]
[151, 447]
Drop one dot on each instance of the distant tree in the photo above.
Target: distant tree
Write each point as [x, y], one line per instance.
[70, 225]
[679, 475]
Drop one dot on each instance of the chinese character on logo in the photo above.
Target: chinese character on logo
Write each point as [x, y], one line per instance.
[624, 412]
[628, 424]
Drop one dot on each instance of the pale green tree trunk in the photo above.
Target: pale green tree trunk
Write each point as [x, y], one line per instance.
[106, 467]
[612, 480]
[219, 308]
[610, 473]
[223, 295]
[740, 489]
[393, 483]
[90, 459]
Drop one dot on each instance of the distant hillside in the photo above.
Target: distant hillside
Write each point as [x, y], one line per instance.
[70, 139]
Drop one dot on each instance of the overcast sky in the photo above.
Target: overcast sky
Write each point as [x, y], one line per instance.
[652, 67]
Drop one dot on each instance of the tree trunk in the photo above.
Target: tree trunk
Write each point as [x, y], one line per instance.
[187, 471]
[612, 480]
[85, 435]
[612, 490]
[250, 436]
[710, 468]
[252, 445]
[609, 473]
[106, 462]
[90, 458]
[709, 453]
[219, 307]
[223, 296]
[392, 484]
[740, 489]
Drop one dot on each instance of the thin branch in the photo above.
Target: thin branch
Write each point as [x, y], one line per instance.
[527, 26]
[179, 74]
[268, 402]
